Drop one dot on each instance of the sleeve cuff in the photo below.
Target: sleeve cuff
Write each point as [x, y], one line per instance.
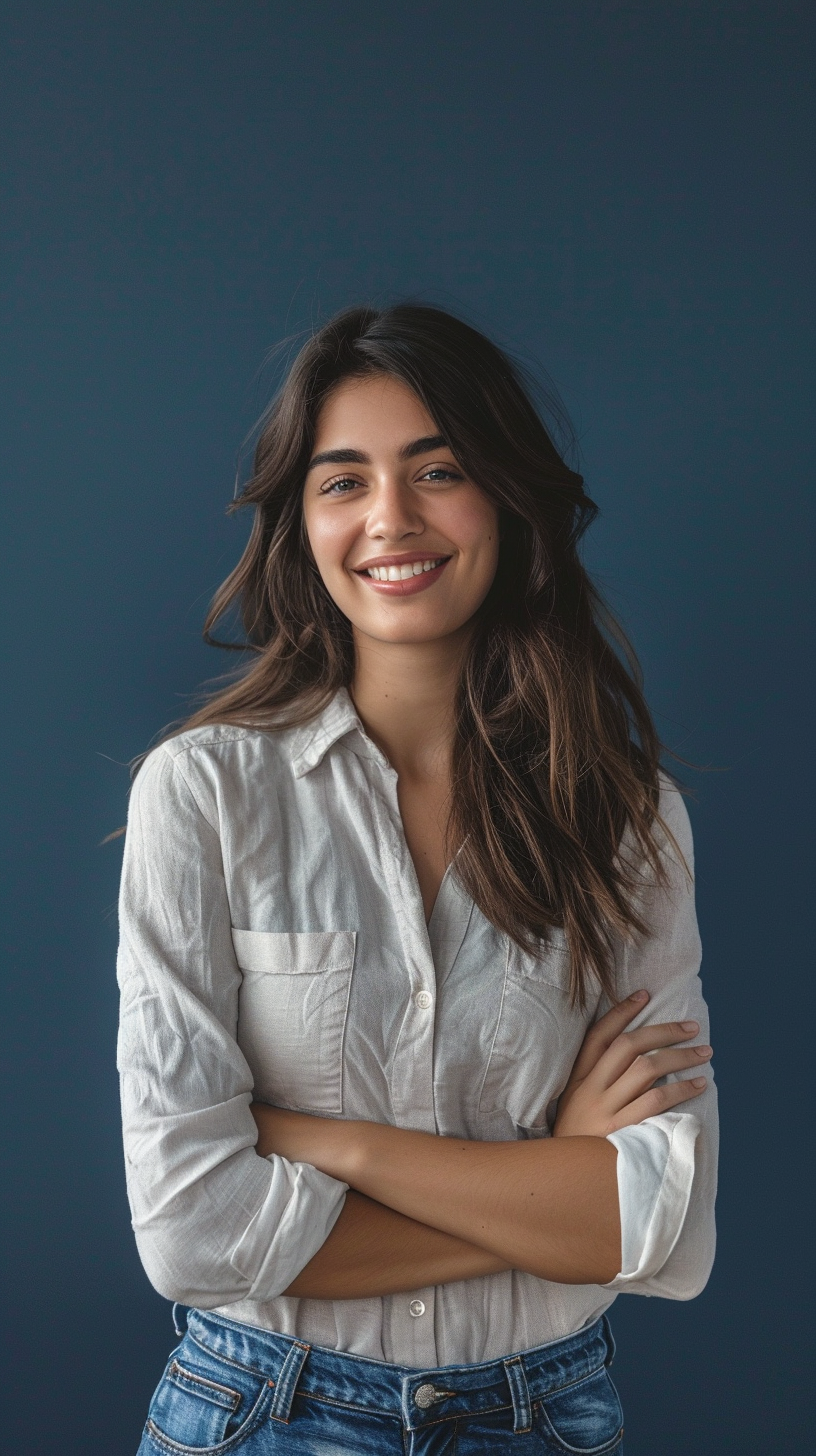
[655, 1175]
[277, 1245]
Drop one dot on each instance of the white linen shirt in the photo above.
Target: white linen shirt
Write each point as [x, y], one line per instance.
[274, 945]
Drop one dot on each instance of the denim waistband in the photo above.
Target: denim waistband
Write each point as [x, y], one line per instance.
[416, 1397]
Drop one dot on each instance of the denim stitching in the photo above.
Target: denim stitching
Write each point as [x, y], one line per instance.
[376, 1410]
[568, 1384]
[251, 1424]
[363, 1362]
[607, 1446]
[463, 1416]
[227, 1359]
[176, 1368]
[288, 1380]
[520, 1391]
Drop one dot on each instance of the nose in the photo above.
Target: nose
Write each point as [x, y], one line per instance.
[393, 512]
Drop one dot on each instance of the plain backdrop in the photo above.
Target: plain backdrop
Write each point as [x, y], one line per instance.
[620, 191]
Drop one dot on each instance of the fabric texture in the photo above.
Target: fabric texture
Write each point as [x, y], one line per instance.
[274, 944]
[228, 1387]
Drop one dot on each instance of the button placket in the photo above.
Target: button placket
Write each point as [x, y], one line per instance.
[414, 1333]
[412, 1062]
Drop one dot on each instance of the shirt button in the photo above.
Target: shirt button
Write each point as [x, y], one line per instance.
[423, 1000]
[416, 1308]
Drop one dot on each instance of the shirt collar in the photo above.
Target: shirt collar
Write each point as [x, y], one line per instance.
[312, 741]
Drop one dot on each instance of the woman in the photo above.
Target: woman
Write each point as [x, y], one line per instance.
[406, 899]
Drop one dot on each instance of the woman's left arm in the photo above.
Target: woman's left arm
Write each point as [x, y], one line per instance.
[667, 1164]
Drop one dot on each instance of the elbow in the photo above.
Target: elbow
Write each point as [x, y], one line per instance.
[180, 1272]
[684, 1275]
[693, 1282]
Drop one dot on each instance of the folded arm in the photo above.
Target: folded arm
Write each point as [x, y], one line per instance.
[372, 1250]
[548, 1207]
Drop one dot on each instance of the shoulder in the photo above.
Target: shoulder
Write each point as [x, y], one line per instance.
[212, 766]
[674, 831]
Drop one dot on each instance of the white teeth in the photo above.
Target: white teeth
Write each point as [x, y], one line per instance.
[402, 573]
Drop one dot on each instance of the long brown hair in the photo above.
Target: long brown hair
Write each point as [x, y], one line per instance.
[555, 753]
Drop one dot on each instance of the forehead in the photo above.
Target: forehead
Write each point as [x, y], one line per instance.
[375, 413]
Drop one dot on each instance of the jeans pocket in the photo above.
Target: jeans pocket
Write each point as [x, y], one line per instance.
[203, 1404]
[584, 1418]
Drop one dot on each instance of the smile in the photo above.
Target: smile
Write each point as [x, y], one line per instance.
[404, 578]
[402, 573]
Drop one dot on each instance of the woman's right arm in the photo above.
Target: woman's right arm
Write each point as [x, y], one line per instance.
[374, 1251]
[214, 1222]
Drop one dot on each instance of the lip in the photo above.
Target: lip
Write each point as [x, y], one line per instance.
[399, 560]
[407, 588]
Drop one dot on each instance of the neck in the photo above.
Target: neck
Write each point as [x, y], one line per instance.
[404, 693]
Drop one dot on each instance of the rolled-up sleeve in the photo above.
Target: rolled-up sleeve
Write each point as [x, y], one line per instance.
[214, 1222]
[667, 1165]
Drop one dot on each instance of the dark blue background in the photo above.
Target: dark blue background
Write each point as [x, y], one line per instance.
[621, 190]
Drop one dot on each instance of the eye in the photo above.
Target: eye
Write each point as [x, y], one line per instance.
[343, 486]
[441, 472]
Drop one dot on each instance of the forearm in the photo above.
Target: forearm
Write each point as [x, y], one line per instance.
[547, 1206]
[374, 1251]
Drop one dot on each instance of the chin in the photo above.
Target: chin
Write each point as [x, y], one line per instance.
[404, 634]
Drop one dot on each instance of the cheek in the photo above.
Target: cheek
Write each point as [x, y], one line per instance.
[475, 529]
[329, 538]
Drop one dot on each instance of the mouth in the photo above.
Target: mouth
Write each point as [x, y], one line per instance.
[405, 577]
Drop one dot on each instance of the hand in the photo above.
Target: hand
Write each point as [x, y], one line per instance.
[611, 1084]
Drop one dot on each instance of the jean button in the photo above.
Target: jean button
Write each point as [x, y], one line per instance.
[417, 1308]
[425, 1396]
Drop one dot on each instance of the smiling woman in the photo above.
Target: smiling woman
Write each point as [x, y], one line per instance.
[409, 955]
[409, 492]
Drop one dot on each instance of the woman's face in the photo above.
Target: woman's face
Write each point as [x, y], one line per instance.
[406, 544]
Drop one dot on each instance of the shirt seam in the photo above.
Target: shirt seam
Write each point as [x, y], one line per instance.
[177, 768]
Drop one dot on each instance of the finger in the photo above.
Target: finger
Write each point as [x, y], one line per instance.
[601, 1035]
[631, 1044]
[657, 1100]
[648, 1069]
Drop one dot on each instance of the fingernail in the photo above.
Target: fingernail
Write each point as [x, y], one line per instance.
[690, 1025]
[639, 996]
[703, 1051]
[698, 1081]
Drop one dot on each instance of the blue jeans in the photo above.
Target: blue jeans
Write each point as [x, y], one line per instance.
[229, 1387]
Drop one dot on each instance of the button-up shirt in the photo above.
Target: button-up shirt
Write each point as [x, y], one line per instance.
[274, 945]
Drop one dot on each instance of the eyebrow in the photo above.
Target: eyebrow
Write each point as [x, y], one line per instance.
[358, 457]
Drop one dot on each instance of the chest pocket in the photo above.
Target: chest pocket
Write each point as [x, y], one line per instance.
[292, 1009]
[537, 1037]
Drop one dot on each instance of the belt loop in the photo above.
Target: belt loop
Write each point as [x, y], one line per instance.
[286, 1383]
[610, 1341]
[522, 1410]
[179, 1310]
